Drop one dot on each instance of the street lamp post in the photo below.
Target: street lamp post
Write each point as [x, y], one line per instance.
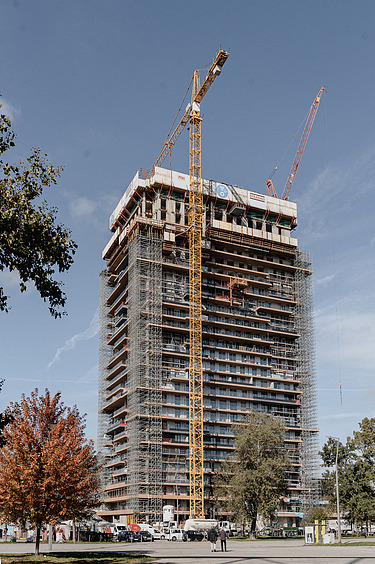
[177, 508]
[177, 480]
[337, 490]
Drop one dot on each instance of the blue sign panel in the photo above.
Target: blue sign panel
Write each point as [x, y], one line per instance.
[222, 191]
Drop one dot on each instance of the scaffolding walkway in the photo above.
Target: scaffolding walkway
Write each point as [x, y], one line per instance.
[310, 494]
[145, 376]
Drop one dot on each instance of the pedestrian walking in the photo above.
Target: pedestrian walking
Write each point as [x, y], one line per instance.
[223, 540]
[212, 537]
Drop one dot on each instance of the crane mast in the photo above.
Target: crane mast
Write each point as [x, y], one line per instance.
[195, 218]
[195, 225]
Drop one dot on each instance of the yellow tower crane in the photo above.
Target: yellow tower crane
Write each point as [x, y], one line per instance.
[195, 215]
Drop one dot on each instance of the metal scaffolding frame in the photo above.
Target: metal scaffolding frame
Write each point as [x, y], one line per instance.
[147, 375]
[144, 424]
[311, 493]
[105, 352]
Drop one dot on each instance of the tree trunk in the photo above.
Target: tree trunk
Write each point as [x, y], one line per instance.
[253, 523]
[37, 540]
[74, 531]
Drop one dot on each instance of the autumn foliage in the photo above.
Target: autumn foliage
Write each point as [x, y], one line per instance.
[48, 470]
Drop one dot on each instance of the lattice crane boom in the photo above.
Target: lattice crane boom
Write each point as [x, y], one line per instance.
[301, 147]
[213, 72]
[302, 144]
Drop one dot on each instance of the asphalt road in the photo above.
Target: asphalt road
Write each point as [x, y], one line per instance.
[254, 552]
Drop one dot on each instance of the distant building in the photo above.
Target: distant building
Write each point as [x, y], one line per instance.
[258, 342]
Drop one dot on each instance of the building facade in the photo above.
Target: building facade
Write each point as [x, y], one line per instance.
[258, 342]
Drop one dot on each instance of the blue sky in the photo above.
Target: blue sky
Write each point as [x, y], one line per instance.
[97, 84]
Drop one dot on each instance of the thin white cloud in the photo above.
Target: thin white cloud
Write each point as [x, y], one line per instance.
[9, 278]
[348, 334]
[44, 380]
[325, 280]
[8, 109]
[345, 389]
[71, 343]
[331, 193]
[82, 206]
[342, 416]
[372, 243]
[90, 377]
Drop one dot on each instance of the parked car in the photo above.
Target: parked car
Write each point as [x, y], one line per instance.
[156, 534]
[174, 535]
[192, 536]
[129, 536]
[146, 536]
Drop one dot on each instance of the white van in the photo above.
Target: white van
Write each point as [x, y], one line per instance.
[117, 527]
[156, 535]
[174, 534]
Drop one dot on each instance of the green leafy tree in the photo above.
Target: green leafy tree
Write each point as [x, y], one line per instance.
[317, 513]
[251, 483]
[356, 472]
[48, 470]
[31, 242]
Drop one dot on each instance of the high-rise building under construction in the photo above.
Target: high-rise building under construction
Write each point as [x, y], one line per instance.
[257, 342]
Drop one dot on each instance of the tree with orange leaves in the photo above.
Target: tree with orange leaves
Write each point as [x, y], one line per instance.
[48, 469]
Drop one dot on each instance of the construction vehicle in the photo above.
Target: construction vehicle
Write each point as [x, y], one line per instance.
[200, 524]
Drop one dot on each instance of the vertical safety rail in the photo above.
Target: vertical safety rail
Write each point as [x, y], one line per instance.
[195, 293]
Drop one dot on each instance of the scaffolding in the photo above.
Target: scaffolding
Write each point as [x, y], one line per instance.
[310, 494]
[104, 355]
[258, 352]
[144, 426]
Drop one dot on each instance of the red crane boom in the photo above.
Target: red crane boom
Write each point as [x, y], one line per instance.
[302, 144]
[301, 147]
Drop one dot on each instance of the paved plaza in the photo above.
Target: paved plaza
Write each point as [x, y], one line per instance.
[254, 552]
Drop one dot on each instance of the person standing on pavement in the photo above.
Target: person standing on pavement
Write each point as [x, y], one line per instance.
[212, 537]
[223, 540]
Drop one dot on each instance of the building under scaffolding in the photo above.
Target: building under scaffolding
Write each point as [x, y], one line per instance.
[257, 339]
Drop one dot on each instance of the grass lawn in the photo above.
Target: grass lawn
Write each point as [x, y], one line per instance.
[246, 538]
[75, 558]
[347, 542]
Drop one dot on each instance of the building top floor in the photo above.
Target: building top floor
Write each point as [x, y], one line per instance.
[231, 197]
[217, 190]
